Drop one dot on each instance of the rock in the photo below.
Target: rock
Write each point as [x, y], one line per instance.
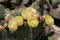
[55, 12]
[3, 0]
[56, 35]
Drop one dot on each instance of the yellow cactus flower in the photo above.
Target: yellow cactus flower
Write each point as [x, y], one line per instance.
[19, 20]
[32, 22]
[28, 12]
[49, 20]
[12, 25]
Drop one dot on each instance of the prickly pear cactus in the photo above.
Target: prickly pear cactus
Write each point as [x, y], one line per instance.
[55, 1]
[2, 11]
[28, 26]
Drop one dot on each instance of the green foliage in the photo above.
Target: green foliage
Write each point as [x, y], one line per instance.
[16, 14]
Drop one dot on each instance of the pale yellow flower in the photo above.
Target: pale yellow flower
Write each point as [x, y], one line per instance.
[32, 21]
[49, 20]
[28, 12]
